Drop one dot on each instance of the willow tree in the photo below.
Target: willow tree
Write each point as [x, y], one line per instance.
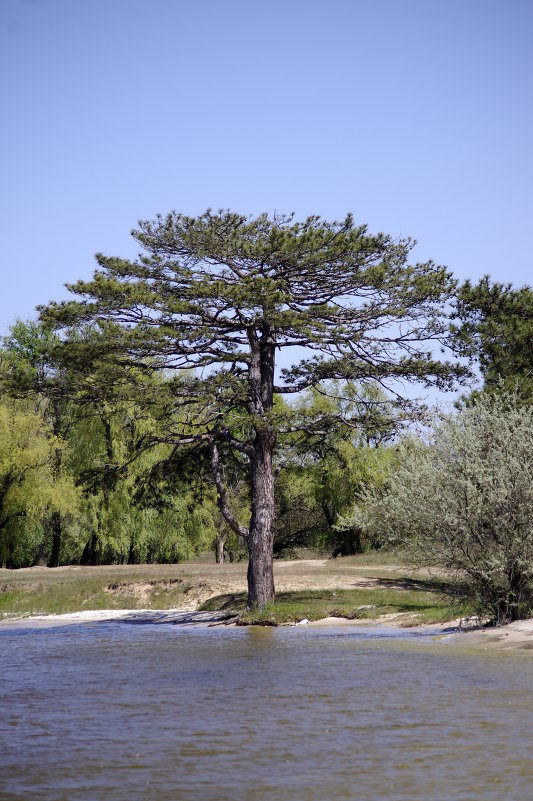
[30, 373]
[217, 297]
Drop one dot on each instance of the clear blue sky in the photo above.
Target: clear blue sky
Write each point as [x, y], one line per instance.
[416, 115]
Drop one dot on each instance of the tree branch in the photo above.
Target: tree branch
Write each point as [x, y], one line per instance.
[222, 500]
[243, 447]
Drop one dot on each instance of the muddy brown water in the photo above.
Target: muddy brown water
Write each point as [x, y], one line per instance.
[117, 711]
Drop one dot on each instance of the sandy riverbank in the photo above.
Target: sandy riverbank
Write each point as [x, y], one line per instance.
[139, 616]
[516, 636]
[312, 587]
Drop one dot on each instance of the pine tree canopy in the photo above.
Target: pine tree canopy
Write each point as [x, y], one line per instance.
[496, 327]
[209, 291]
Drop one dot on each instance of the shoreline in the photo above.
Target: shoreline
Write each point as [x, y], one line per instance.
[517, 636]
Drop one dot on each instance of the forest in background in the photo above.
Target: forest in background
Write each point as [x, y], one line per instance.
[81, 486]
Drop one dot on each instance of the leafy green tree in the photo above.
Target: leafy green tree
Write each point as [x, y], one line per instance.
[131, 512]
[465, 501]
[495, 327]
[108, 519]
[30, 372]
[324, 468]
[30, 491]
[94, 446]
[347, 473]
[218, 296]
[298, 517]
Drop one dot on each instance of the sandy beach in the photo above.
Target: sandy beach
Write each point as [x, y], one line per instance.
[516, 636]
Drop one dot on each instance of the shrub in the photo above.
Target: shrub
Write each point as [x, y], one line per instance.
[465, 502]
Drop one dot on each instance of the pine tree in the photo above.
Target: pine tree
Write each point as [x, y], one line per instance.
[214, 299]
[496, 328]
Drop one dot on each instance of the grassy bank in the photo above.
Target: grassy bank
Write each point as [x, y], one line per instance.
[413, 607]
[75, 595]
[354, 588]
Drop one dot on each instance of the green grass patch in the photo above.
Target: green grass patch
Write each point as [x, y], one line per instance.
[77, 594]
[418, 605]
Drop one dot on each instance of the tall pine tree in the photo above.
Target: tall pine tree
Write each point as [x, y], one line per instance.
[216, 298]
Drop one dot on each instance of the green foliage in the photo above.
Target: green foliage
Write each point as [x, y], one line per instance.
[465, 502]
[204, 284]
[73, 442]
[298, 516]
[347, 474]
[27, 356]
[218, 295]
[124, 520]
[30, 372]
[496, 328]
[339, 452]
[29, 488]
[176, 534]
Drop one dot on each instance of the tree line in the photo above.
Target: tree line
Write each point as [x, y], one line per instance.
[148, 419]
[95, 483]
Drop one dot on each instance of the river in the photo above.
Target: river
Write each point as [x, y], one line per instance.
[117, 711]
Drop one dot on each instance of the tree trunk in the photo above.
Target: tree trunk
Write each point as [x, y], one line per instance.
[219, 550]
[260, 538]
[261, 535]
[56, 540]
[56, 472]
[92, 552]
[41, 557]
[133, 558]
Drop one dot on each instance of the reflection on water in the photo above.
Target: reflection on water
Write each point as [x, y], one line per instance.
[113, 711]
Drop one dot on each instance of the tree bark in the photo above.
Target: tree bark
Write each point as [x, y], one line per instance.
[260, 538]
[219, 550]
[133, 558]
[92, 552]
[56, 472]
[56, 540]
[261, 535]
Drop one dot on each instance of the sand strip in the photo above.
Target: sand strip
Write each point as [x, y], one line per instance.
[515, 636]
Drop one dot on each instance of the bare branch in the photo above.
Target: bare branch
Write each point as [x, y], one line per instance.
[234, 525]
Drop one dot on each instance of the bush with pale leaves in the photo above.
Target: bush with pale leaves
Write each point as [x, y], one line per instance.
[465, 502]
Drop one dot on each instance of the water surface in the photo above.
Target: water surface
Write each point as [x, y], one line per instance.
[118, 711]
